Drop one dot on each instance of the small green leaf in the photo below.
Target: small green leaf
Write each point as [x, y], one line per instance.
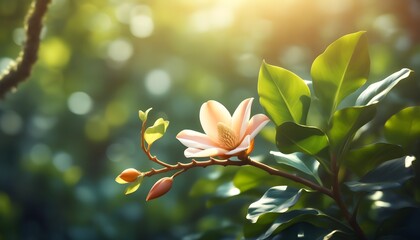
[134, 186]
[340, 70]
[156, 131]
[364, 159]
[390, 174]
[276, 200]
[376, 91]
[291, 137]
[283, 95]
[143, 115]
[299, 161]
[404, 127]
[344, 125]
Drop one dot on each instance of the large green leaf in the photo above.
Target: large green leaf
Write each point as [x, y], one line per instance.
[156, 131]
[376, 91]
[299, 161]
[276, 200]
[344, 125]
[340, 70]
[390, 174]
[364, 159]
[284, 95]
[404, 127]
[292, 137]
[279, 224]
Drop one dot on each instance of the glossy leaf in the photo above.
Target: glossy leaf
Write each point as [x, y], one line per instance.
[276, 200]
[404, 127]
[312, 218]
[376, 91]
[344, 125]
[284, 95]
[299, 161]
[364, 159]
[291, 137]
[390, 174]
[340, 70]
[134, 186]
[156, 131]
[143, 115]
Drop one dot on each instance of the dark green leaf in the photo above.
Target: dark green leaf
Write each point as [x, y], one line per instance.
[299, 161]
[291, 137]
[390, 174]
[276, 200]
[376, 91]
[364, 159]
[404, 127]
[344, 125]
[284, 221]
[340, 70]
[284, 95]
[403, 224]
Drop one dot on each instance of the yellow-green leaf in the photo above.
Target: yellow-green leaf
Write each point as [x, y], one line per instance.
[143, 115]
[134, 186]
[156, 131]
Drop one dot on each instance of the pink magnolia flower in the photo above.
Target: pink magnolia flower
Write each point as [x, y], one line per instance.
[225, 135]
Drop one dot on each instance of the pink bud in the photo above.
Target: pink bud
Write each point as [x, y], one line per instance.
[128, 175]
[159, 188]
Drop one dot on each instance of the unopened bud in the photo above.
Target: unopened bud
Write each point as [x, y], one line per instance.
[159, 188]
[128, 175]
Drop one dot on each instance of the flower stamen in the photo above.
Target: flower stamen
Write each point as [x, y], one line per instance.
[226, 136]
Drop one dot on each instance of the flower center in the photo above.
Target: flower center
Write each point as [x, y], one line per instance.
[227, 137]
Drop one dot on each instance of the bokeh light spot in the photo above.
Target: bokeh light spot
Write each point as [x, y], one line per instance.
[62, 161]
[116, 113]
[10, 123]
[40, 154]
[55, 53]
[79, 103]
[96, 129]
[158, 82]
[120, 50]
[141, 26]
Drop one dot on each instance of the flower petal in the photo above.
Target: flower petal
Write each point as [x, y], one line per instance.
[255, 125]
[209, 152]
[195, 139]
[240, 117]
[243, 146]
[211, 113]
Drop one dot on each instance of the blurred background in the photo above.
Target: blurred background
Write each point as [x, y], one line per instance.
[68, 131]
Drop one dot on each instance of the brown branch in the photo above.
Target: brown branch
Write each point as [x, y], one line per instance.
[21, 68]
[182, 167]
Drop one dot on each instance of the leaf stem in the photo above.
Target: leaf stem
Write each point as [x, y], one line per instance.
[336, 196]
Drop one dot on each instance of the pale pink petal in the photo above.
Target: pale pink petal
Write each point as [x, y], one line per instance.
[243, 146]
[212, 112]
[209, 152]
[195, 139]
[240, 117]
[256, 123]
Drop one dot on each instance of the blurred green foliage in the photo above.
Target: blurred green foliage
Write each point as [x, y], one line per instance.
[73, 126]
